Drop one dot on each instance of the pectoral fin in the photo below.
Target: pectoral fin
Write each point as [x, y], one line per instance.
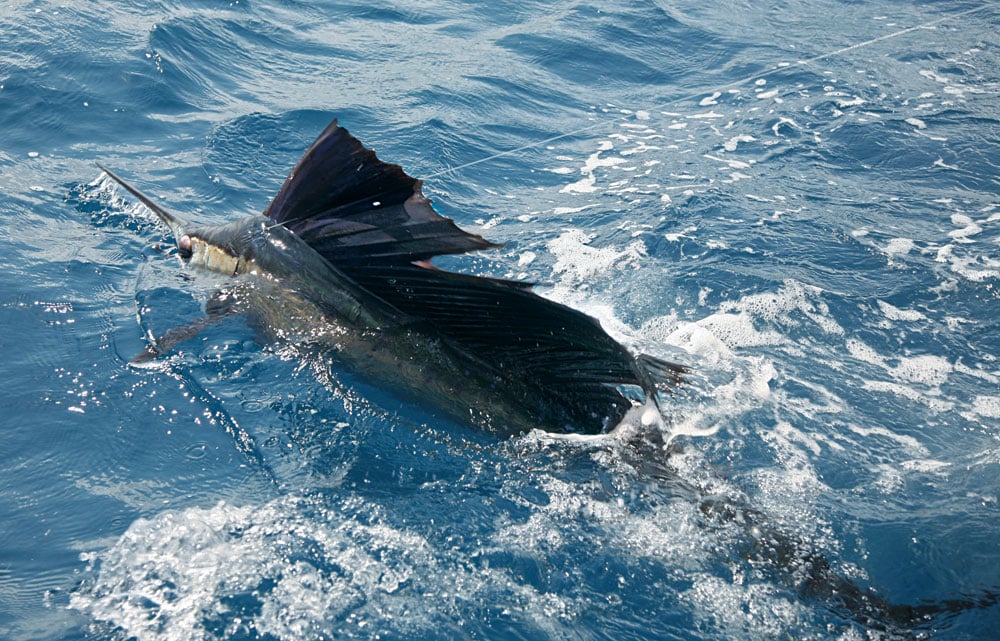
[219, 307]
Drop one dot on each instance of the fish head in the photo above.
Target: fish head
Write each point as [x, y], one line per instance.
[195, 250]
[204, 247]
[229, 249]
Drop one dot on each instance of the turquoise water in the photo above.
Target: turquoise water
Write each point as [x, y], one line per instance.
[800, 201]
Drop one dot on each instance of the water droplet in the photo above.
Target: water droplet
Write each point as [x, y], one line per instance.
[196, 451]
[253, 405]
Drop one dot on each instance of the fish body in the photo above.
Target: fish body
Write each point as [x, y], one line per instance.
[291, 294]
[338, 263]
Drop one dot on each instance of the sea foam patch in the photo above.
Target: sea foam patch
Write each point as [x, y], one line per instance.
[291, 569]
[578, 260]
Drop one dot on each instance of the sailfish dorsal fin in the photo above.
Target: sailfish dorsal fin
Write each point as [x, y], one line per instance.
[355, 209]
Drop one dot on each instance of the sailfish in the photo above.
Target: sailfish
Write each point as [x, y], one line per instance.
[340, 262]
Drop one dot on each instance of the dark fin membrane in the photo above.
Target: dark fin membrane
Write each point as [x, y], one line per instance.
[353, 208]
[561, 354]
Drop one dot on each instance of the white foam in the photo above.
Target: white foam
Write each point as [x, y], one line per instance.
[970, 228]
[732, 163]
[889, 479]
[987, 406]
[684, 233]
[588, 184]
[927, 369]
[733, 143]
[706, 115]
[930, 466]
[915, 378]
[737, 330]
[722, 348]
[561, 211]
[745, 609]
[790, 435]
[667, 534]
[300, 570]
[784, 121]
[972, 268]
[854, 101]
[577, 260]
[708, 101]
[743, 384]
[943, 165]
[695, 339]
[911, 445]
[894, 313]
[863, 352]
[792, 297]
[909, 393]
[898, 247]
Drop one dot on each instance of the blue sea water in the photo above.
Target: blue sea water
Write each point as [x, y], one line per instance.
[799, 200]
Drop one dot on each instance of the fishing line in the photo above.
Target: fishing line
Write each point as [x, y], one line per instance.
[691, 96]
[720, 88]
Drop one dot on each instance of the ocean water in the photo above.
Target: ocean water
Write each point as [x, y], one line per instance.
[800, 201]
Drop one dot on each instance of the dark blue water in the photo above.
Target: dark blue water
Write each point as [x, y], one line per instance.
[811, 225]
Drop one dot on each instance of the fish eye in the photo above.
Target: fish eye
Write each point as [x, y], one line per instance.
[184, 246]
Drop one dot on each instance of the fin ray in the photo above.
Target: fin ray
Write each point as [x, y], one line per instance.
[666, 374]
